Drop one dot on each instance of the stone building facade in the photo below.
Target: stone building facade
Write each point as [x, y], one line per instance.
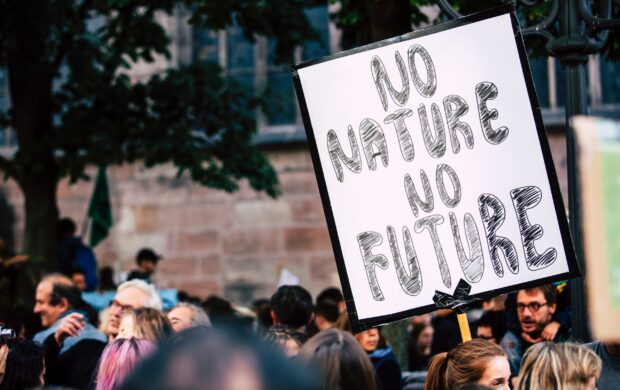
[235, 245]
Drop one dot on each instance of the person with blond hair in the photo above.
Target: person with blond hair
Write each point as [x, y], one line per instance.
[144, 323]
[474, 362]
[562, 366]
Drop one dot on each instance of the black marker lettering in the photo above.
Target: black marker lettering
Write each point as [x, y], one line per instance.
[409, 278]
[491, 223]
[404, 138]
[431, 223]
[367, 241]
[488, 91]
[372, 135]
[472, 265]
[354, 163]
[525, 198]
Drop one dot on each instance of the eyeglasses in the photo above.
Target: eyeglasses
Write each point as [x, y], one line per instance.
[117, 304]
[533, 306]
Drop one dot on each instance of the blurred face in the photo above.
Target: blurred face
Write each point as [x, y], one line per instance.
[486, 333]
[497, 374]
[42, 307]
[534, 311]
[148, 266]
[126, 329]
[425, 339]
[591, 384]
[180, 318]
[80, 281]
[128, 298]
[368, 340]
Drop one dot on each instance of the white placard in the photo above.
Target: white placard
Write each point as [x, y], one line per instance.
[429, 155]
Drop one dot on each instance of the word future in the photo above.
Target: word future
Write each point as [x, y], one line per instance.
[491, 209]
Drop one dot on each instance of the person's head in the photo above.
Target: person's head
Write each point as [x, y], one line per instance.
[131, 295]
[287, 339]
[368, 339]
[78, 277]
[422, 338]
[25, 366]
[66, 228]
[476, 361]
[333, 294]
[55, 295]
[326, 313]
[144, 323]
[491, 326]
[186, 315]
[147, 259]
[494, 304]
[560, 366]
[106, 279]
[119, 359]
[292, 306]
[208, 358]
[535, 308]
[340, 361]
[262, 308]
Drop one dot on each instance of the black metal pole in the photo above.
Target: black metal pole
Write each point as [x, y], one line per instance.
[572, 47]
[576, 104]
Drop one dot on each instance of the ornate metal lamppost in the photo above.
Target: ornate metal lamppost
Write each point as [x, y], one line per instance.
[572, 32]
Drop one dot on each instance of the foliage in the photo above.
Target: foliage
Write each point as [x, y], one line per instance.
[74, 103]
[355, 16]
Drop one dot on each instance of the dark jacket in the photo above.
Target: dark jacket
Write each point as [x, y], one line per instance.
[386, 368]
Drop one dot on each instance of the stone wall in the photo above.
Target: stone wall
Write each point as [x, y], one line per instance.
[217, 243]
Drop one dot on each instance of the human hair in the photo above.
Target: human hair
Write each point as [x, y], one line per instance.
[199, 316]
[24, 365]
[464, 364]
[211, 358]
[119, 359]
[149, 324]
[279, 335]
[152, 300]
[292, 306]
[343, 322]
[66, 226]
[331, 293]
[548, 290]
[69, 292]
[106, 279]
[340, 360]
[496, 320]
[327, 309]
[561, 366]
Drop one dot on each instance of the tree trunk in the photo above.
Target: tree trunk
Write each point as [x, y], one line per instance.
[389, 19]
[40, 239]
[29, 62]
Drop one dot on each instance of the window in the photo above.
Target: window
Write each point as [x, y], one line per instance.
[253, 64]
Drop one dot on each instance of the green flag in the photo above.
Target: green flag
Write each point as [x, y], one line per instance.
[100, 210]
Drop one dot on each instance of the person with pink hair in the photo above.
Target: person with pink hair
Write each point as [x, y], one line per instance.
[119, 359]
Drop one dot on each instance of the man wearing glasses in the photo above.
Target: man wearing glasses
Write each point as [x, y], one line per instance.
[133, 294]
[535, 308]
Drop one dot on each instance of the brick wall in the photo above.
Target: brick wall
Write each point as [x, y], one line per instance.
[213, 242]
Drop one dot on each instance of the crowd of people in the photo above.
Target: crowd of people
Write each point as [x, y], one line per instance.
[522, 341]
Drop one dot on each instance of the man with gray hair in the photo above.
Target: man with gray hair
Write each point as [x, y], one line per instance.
[186, 315]
[133, 294]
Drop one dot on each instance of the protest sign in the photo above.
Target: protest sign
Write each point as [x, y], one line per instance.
[599, 161]
[433, 167]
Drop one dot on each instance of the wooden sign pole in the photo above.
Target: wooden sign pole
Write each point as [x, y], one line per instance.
[464, 327]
